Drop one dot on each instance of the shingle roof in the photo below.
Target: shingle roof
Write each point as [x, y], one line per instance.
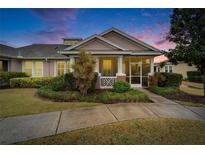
[38, 51]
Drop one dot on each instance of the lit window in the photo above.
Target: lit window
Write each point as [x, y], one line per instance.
[28, 67]
[107, 67]
[38, 68]
[60, 67]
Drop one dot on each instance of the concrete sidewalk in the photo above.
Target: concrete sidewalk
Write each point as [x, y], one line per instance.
[21, 128]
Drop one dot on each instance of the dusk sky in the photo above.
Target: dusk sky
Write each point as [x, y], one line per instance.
[19, 27]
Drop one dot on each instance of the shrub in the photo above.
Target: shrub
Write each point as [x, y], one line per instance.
[169, 79]
[70, 81]
[101, 97]
[194, 76]
[121, 86]
[84, 71]
[164, 91]
[27, 82]
[6, 76]
[58, 84]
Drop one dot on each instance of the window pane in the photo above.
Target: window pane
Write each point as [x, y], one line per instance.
[145, 66]
[38, 67]
[108, 66]
[60, 67]
[28, 67]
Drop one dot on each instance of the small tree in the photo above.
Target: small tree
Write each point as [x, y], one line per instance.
[84, 71]
[188, 32]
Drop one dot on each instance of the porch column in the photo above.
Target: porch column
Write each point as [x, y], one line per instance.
[152, 66]
[120, 75]
[97, 65]
[72, 61]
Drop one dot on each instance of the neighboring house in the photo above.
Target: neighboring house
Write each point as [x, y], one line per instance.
[119, 56]
[163, 65]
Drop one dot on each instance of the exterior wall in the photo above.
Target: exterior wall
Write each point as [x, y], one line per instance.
[97, 45]
[123, 42]
[121, 78]
[48, 68]
[15, 65]
[181, 68]
[98, 83]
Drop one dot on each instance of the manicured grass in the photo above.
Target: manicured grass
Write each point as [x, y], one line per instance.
[192, 88]
[15, 102]
[140, 131]
[164, 91]
[101, 96]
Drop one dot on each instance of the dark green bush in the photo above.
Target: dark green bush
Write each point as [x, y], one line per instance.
[70, 81]
[168, 79]
[194, 76]
[6, 76]
[27, 82]
[121, 86]
[58, 84]
[101, 97]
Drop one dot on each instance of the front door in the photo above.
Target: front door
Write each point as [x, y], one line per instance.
[136, 74]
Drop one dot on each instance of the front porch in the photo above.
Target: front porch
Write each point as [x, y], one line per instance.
[133, 69]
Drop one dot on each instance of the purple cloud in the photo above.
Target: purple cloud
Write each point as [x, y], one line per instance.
[57, 24]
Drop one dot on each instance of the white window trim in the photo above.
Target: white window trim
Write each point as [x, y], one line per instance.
[168, 68]
[33, 68]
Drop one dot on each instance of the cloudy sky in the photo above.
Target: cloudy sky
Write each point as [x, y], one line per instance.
[20, 27]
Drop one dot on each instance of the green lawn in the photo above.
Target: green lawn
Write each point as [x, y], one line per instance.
[140, 131]
[15, 102]
[192, 88]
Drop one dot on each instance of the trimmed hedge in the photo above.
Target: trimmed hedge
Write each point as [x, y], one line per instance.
[121, 86]
[101, 96]
[168, 79]
[194, 76]
[27, 82]
[6, 76]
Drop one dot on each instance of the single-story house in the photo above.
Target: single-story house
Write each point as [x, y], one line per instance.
[162, 64]
[119, 56]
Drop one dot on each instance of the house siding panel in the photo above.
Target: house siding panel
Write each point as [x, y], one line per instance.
[123, 42]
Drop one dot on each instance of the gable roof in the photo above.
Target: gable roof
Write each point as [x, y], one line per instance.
[91, 38]
[129, 37]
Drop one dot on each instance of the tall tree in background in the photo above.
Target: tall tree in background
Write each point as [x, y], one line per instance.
[188, 32]
[84, 68]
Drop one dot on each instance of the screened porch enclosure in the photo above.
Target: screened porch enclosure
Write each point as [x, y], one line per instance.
[135, 70]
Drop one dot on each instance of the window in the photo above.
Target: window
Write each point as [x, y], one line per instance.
[108, 66]
[38, 69]
[33, 68]
[156, 69]
[62, 67]
[168, 68]
[28, 67]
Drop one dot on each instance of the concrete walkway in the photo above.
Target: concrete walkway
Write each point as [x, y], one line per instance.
[21, 128]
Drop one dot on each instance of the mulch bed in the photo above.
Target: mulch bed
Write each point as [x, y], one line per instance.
[181, 96]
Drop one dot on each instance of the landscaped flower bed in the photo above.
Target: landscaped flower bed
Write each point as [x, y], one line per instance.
[101, 96]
